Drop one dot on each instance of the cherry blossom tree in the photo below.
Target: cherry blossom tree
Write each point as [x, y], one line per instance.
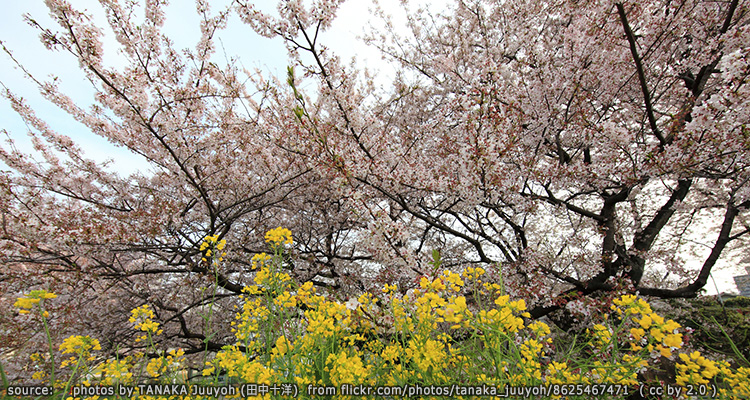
[580, 149]
[107, 243]
[586, 148]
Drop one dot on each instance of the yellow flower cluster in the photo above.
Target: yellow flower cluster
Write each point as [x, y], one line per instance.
[473, 274]
[259, 260]
[212, 249]
[346, 369]
[452, 328]
[602, 335]
[736, 381]
[663, 335]
[282, 346]
[249, 320]
[279, 236]
[506, 317]
[31, 299]
[163, 364]
[327, 318]
[116, 371]
[270, 279]
[80, 347]
[695, 369]
[142, 317]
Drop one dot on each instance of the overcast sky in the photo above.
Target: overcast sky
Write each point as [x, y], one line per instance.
[182, 23]
[238, 40]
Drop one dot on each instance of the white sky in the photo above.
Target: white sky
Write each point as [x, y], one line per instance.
[181, 24]
[238, 40]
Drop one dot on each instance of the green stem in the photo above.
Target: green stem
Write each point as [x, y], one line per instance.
[736, 351]
[49, 342]
[207, 318]
[72, 375]
[502, 282]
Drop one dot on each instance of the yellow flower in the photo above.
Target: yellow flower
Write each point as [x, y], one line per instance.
[25, 302]
[644, 322]
[79, 344]
[436, 285]
[209, 370]
[632, 305]
[472, 273]
[388, 289]
[211, 247]
[346, 369]
[155, 367]
[115, 371]
[282, 345]
[664, 351]
[391, 353]
[454, 279]
[540, 328]
[141, 316]
[279, 236]
[673, 340]
[32, 298]
[637, 333]
[259, 260]
[257, 373]
[285, 300]
[696, 369]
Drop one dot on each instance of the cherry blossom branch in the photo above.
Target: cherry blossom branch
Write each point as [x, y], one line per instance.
[312, 49]
[700, 281]
[644, 239]
[641, 75]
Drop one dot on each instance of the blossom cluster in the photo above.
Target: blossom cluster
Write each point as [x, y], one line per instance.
[279, 236]
[213, 249]
[31, 299]
[79, 347]
[142, 317]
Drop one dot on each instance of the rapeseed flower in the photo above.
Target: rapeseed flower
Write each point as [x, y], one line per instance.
[80, 347]
[31, 299]
[695, 369]
[327, 344]
[285, 300]
[116, 371]
[472, 273]
[230, 359]
[256, 372]
[279, 236]
[426, 353]
[142, 318]
[631, 304]
[602, 335]
[259, 260]
[282, 345]
[454, 280]
[389, 289]
[211, 247]
[344, 368]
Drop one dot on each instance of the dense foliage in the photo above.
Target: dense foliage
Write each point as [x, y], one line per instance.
[722, 329]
